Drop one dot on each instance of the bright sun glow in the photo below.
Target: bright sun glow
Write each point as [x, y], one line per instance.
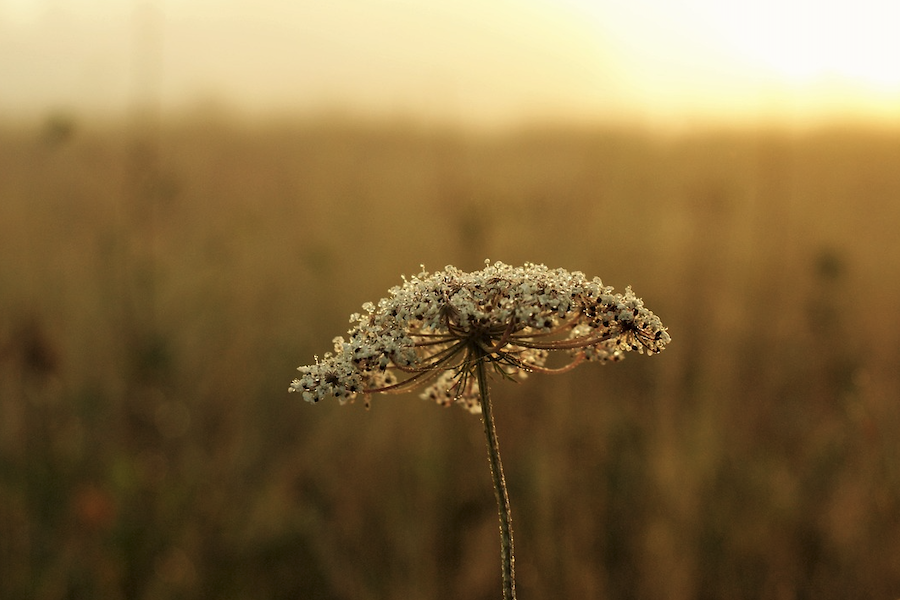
[804, 40]
[473, 60]
[768, 55]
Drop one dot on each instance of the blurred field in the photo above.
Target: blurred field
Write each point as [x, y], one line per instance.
[159, 286]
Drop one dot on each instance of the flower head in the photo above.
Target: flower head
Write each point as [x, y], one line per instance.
[435, 327]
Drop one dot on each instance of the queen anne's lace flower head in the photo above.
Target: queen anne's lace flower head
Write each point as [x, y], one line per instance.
[436, 326]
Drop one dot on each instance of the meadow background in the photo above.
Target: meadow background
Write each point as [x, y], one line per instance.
[160, 283]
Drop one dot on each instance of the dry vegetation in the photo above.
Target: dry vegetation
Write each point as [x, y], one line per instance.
[158, 289]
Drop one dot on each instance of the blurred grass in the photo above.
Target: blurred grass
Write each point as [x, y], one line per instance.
[158, 288]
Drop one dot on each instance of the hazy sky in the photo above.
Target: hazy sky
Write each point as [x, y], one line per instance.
[466, 61]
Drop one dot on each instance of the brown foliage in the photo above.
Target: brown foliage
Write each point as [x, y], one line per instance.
[152, 311]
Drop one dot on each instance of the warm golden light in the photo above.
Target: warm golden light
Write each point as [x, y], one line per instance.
[781, 59]
[488, 62]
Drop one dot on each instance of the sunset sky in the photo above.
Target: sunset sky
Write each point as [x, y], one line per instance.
[488, 62]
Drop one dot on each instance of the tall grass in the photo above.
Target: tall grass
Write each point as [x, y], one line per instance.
[148, 447]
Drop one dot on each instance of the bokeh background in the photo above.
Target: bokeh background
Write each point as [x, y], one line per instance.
[195, 196]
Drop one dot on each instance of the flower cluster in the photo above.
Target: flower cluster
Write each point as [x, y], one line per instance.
[435, 327]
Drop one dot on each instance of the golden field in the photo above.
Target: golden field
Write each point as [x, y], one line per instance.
[158, 286]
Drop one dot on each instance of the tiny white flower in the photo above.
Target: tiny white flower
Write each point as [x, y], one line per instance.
[435, 327]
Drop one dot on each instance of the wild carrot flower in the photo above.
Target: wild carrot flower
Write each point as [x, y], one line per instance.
[441, 330]
[434, 327]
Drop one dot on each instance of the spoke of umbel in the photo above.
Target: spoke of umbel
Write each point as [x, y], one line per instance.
[507, 554]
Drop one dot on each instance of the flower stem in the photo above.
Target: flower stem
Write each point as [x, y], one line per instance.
[507, 555]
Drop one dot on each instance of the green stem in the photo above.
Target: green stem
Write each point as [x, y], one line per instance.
[507, 555]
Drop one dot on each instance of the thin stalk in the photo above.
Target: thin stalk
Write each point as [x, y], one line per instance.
[507, 554]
